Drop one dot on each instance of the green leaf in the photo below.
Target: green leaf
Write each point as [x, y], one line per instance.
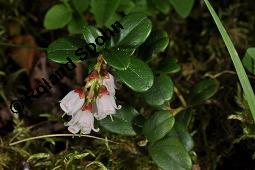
[81, 5]
[184, 117]
[80, 156]
[138, 123]
[118, 58]
[202, 91]
[103, 10]
[122, 121]
[140, 6]
[164, 106]
[182, 7]
[138, 76]
[161, 5]
[249, 60]
[57, 17]
[62, 48]
[126, 6]
[38, 156]
[76, 25]
[115, 17]
[158, 41]
[90, 34]
[169, 66]
[137, 28]
[161, 91]
[158, 125]
[170, 154]
[180, 131]
[248, 91]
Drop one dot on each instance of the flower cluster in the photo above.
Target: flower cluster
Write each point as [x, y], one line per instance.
[95, 100]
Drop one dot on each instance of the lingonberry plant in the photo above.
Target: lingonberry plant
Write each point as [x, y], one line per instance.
[126, 101]
[122, 59]
[134, 59]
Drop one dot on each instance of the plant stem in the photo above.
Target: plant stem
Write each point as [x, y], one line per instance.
[181, 98]
[58, 135]
[178, 110]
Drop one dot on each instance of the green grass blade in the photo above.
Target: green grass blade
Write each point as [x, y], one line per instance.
[248, 92]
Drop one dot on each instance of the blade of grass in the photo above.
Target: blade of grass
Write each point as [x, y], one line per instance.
[248, 92]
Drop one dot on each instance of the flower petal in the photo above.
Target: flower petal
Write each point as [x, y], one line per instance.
[109, 83]
[71, 103]
[106, 105]
[82, 120]
[74, 129]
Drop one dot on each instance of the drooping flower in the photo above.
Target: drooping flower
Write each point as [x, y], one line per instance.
[82, 121]
[73, 101]
[109, 83]
[105, 104]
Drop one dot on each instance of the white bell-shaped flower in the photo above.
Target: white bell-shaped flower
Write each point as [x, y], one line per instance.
[73, 101]
[109, 83]
[105, 105]
[82, 121]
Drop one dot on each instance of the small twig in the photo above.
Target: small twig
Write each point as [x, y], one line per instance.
[181, 98]
[38, 124]
[224, 72]
[59, 135]
[21, 46]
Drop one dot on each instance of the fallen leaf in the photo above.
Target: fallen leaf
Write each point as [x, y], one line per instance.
[196, 167]
[24, 57]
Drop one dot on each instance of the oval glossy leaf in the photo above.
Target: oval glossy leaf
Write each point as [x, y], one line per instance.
[118, 58]
[137, 28]
[169, 154]
[90, 34]
[81, 5]
[158, 125]
[249, 60]
[182, 7]
[164, 106]
[62, 48]
[169, 66]
[138, 124]
[158, 41]
[103, 10]
[76, 25]
[57, 17]
[126, 6]
[161, 5]
[184, 117]
[122, 121]
[161, 91]
[138, 76]
[141, 6]
[180, 132]
[202, 91]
